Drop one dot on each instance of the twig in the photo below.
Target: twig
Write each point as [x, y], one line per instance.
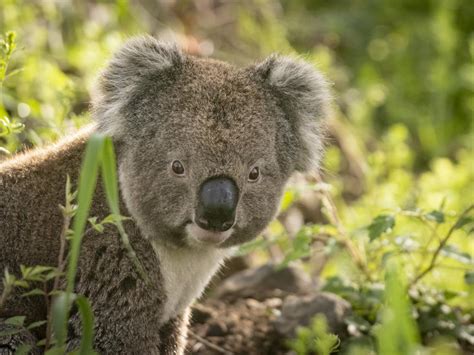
[209, 344]
[67, 214]
[345, 240]
[441, 245]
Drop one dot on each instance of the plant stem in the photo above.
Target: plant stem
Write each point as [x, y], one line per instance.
[441, 245]
[209, 344]
[345, 240]
[61, 261]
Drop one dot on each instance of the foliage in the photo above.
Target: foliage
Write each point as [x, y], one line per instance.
[315, 339]
[99, 155]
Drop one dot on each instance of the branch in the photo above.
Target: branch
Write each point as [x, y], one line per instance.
[67, 211]
[209, 344]
[345, 240]
[441, 245]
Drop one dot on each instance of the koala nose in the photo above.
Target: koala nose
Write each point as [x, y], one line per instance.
[217, 204]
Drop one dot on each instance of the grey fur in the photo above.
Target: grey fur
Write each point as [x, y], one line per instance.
[159, 105]
[304, 93]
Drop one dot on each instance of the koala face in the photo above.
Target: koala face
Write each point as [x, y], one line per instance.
[205, 149]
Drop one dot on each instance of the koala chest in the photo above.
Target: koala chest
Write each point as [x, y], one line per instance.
[186, 272]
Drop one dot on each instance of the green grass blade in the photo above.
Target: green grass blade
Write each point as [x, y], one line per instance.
[109, 177]
[87, 318]
[60, 316]
[87, 183]
[398, 333]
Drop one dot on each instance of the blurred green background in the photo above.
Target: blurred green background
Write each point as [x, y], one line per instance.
[399, 169]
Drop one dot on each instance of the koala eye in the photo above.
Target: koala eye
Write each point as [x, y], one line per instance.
[177, 167]
[254, 174]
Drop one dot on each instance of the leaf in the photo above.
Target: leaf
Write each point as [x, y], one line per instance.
[34, 292]
[87, 319]
[287, 200]
[257, 243]
[469, 277]
[453, 252]
[96, 226]
[380, 225]
[21, 283]
[398, 333]
[109, 179]
[60, 310]
[36, 324]
[87, 183]
[114, 218]
[301, 247]
[23, 349]
[436, 216]
[8, 332]
[463, 221]
[17, 321]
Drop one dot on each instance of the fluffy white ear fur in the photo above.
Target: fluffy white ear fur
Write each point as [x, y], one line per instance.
[138, 57]
[304, 94]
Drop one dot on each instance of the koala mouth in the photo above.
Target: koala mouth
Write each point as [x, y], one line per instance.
[207, 237]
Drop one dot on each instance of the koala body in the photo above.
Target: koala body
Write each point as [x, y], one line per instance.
[204, 151]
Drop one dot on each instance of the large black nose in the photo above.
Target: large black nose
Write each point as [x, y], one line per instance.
[217, 203]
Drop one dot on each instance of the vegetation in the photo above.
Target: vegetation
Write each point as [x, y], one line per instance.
[395, 234]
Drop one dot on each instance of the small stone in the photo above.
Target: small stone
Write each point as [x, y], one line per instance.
[201, 314]
[251, 303]
[300, 310]
[264, 282]
[273, 302]
[216, 329]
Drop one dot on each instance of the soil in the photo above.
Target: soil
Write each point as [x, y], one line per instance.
[242, 327]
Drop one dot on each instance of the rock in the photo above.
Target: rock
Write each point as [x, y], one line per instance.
[201, 314]
[265, 282]
[217, 329]
[299, 311]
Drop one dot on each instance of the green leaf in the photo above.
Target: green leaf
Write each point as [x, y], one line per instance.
[436, 216]
[109, 178]
[453, 252]
[301, 247]
[114, 219]
[380, 225]
[8, 332]
[398, 333]
[469, 277]
[87, 318]
[36, 324]
[23, 349]
[17, 321]
[60, 311]
[34, 292]
[257, 243]
[463, 221]
[86, 187]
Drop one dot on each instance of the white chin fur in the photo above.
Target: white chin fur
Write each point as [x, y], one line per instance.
[200, 236]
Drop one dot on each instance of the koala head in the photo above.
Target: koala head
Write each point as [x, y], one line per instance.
[205, 149]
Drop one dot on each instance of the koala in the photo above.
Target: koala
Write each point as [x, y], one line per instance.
[204, 150]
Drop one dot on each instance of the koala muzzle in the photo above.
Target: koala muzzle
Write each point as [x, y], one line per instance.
[217, 203]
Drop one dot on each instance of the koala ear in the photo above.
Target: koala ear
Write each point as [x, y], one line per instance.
[138, 59]
[303, 93]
